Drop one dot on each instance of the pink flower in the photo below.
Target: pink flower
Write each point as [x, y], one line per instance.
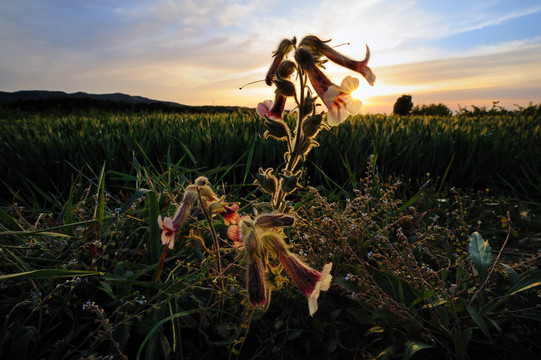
[168, 231]
[170, 227]
[310, 281]
[272, 110]
[339, 101]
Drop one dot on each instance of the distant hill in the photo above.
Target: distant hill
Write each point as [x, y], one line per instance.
[43, 100]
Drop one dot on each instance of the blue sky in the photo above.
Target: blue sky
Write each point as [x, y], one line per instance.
[198, 52]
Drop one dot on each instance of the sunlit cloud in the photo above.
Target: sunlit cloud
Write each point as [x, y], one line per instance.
[201, 52]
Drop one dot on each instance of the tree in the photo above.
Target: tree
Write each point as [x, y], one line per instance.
[403, 105]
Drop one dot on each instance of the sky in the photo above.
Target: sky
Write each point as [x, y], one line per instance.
[199, 52]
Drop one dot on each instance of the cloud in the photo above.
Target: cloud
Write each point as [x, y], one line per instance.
[200, 51]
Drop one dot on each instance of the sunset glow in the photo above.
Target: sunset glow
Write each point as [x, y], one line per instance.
[199, 53]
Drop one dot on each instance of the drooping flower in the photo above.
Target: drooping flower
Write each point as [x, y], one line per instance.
[170, 226]
[336, 98]
[285, 46]
[310, 281]
[168, 231]
[319, 81]
[255, 278]
[272, 110]
[319, 46]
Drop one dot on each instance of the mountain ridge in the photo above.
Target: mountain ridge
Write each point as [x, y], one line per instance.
[47, 100]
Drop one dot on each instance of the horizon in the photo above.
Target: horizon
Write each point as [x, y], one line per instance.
[464, 54]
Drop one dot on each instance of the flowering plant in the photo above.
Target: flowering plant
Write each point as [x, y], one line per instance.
[261, 239]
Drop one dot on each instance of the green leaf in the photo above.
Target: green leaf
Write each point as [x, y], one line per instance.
[461, 340]
[138, 193]
[481, 255]
[50, 274]
[533, 280]
[411, 347]
[99, 212]
[163, 321]
[294, 334]
[154, 236]
[479, 321]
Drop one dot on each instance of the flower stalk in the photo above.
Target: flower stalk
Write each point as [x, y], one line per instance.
[307, 57]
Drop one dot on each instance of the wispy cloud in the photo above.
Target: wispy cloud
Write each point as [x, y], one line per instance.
[201, 51]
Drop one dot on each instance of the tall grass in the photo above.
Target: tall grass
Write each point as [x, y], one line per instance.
[42, 153]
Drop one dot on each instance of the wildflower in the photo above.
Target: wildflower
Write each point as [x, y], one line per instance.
[337, 99]
[272, 110]
[233, 234]
[255, 281]
[231, 215]
[285, 46]
[169, 226]
[310, 281]
[340, 102]
[320, 47]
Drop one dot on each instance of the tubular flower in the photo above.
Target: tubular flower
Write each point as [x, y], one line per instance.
[168, 231]
[319, 81]
[310, 281]
[169, 226]
[320, 47]
[285, 46]
[272, 110]
[338, 99]
[255, 278]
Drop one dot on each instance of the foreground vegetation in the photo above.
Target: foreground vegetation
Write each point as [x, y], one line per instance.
[422, 269]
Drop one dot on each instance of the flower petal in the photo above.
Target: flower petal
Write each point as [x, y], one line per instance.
[264, 107]
[349, 84]
[353, 105]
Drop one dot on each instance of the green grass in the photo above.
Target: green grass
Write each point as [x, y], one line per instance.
[419, 272]
[42, 154]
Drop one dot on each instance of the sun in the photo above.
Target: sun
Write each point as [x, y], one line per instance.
[357, 94]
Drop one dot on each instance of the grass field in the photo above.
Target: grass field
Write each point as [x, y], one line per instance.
[431, 224]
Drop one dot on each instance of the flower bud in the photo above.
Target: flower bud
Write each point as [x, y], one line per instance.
[309, 106]
[284, 87]
[196, 241]
[289, 182]
[277, 129]
[266, 181]
[201, 181]
[286, 69]
[207, 193]
[274, 220]
[312, 125]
